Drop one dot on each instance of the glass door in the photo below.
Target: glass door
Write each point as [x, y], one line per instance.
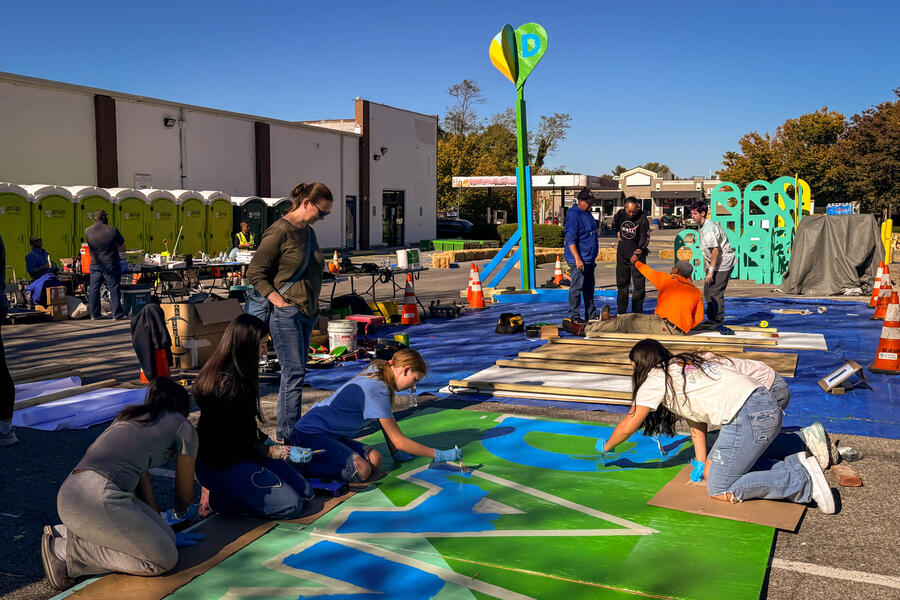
[392, 215]
[350, 222]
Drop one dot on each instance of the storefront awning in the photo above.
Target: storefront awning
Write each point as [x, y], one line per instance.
[676, 195]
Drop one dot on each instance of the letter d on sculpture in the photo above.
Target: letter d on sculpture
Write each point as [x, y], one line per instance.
[531, 45]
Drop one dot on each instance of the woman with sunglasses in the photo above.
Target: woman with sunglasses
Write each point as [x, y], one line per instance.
[287, 270]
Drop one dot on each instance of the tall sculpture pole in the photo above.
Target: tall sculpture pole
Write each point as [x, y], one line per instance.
[515, 53]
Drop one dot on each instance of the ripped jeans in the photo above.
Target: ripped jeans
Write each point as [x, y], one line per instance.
[740, 445]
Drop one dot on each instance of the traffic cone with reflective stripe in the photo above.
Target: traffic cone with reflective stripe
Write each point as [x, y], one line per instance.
[557, 272]
[876, 289]
[477, 299]
[469, 287]
[887, 359]
[410, 315]
[160, 362]
[884, 297]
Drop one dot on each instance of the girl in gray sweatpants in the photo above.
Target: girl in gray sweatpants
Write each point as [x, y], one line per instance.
[111, 522]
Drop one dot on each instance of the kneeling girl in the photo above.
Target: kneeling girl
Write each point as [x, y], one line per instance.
[331, 425]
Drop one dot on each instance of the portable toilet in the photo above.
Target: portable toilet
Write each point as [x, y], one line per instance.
[192, 221]
[163, 223]
[88, 200]
[278, 207]
[53, 219]
[254, 211]
[15, 227]
[131, 210]
[219, 213]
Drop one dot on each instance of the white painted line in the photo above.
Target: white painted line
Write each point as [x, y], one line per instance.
[835, 573]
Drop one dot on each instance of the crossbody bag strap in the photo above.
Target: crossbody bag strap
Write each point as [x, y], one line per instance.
[299, 273]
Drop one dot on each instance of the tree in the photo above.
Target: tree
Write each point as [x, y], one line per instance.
[619, 170]
[757, 159]
[506, 119]
[456, 156]
[461, 117]
[870, 157]
[658, 168]
[551, 131]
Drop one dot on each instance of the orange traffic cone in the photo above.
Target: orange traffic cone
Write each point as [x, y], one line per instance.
[887, 359]
[410, 315]
[876, 289]
[469, 287]
[477, 299]
[884, 297]
[161, 362]
[557, 272]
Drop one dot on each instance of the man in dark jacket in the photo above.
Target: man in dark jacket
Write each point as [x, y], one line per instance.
[104, 242]
[633, 230]
[581, 254]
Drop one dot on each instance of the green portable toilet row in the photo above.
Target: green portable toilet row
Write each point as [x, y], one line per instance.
[53, 218]
[192, 215]
[219, 211]
[15, 227]
[252, 210]
[88, 200]
[130, 211]
[278, 207]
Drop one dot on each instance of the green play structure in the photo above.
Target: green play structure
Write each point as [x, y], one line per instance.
[53, 219]
[759, 223]
[15, 227]
[192, 221]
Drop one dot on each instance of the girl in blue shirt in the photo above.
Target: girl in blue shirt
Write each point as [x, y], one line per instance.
[331, 425]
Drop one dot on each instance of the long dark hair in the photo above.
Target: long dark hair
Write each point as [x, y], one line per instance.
[232, 372]
[163, 394]
[647, 355]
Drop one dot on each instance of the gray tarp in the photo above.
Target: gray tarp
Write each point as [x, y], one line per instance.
[833, 253]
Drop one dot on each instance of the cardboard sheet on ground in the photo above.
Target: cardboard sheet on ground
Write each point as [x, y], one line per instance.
[683, 495]
[224, 537]
[538, 515]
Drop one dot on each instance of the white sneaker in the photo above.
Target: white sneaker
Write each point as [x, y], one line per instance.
[816, 439]
[821, 491]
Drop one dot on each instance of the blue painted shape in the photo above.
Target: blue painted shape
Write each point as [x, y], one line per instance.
[513, 447]
[512, 241]
[388, 580]
[448, 510]
[526, 49]
[510, 263]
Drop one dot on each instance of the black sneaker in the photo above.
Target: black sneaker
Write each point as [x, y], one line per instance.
[55, 568]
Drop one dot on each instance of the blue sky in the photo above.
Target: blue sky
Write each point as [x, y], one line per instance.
[674, 82]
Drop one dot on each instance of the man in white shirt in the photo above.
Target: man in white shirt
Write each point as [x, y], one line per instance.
[718, 257]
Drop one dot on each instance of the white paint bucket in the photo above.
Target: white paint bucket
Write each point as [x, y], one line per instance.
[402, 258]
[342, 333]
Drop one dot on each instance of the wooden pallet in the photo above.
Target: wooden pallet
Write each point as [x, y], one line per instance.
[584, 395]
[606, 339]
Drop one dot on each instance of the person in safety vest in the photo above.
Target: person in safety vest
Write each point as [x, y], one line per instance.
[244, 239]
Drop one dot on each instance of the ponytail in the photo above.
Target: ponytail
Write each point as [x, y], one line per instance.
[402, 358]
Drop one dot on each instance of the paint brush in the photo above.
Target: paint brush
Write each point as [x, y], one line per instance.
[462, 465]
[659, 444]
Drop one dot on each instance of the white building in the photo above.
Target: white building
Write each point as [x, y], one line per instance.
[380, 166]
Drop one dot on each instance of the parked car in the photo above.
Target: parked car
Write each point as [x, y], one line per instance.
[670, 222]
[452, 228]
[689, 223]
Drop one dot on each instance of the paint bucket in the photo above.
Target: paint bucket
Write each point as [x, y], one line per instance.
[342, 333]
[402, 258]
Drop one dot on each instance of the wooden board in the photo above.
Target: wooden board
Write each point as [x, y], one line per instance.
[573, 367]
[681, 340]
[29, 374]
[766, 331]
[490, 386]
[784, 363]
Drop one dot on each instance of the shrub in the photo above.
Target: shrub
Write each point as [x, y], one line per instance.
[545, 236]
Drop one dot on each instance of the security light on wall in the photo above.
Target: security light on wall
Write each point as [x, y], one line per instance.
[384, 150]
[169, 122]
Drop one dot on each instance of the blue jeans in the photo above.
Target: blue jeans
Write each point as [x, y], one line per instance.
[111, 274]
[290, 330]
[741, 443]
[337, 462]
[272, 489]
[582, 286]
[780, 392]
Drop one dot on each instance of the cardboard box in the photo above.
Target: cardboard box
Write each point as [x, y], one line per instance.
[59, 312]
[196, 329]
[55, 295]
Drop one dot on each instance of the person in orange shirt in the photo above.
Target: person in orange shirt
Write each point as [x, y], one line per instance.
[679, 305]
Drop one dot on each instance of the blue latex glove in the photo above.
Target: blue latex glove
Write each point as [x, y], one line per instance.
[605, 455]
[697, 471]
[188, 538]
[401, 456]
[300, 455]
[190, 514]
[447, 455]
